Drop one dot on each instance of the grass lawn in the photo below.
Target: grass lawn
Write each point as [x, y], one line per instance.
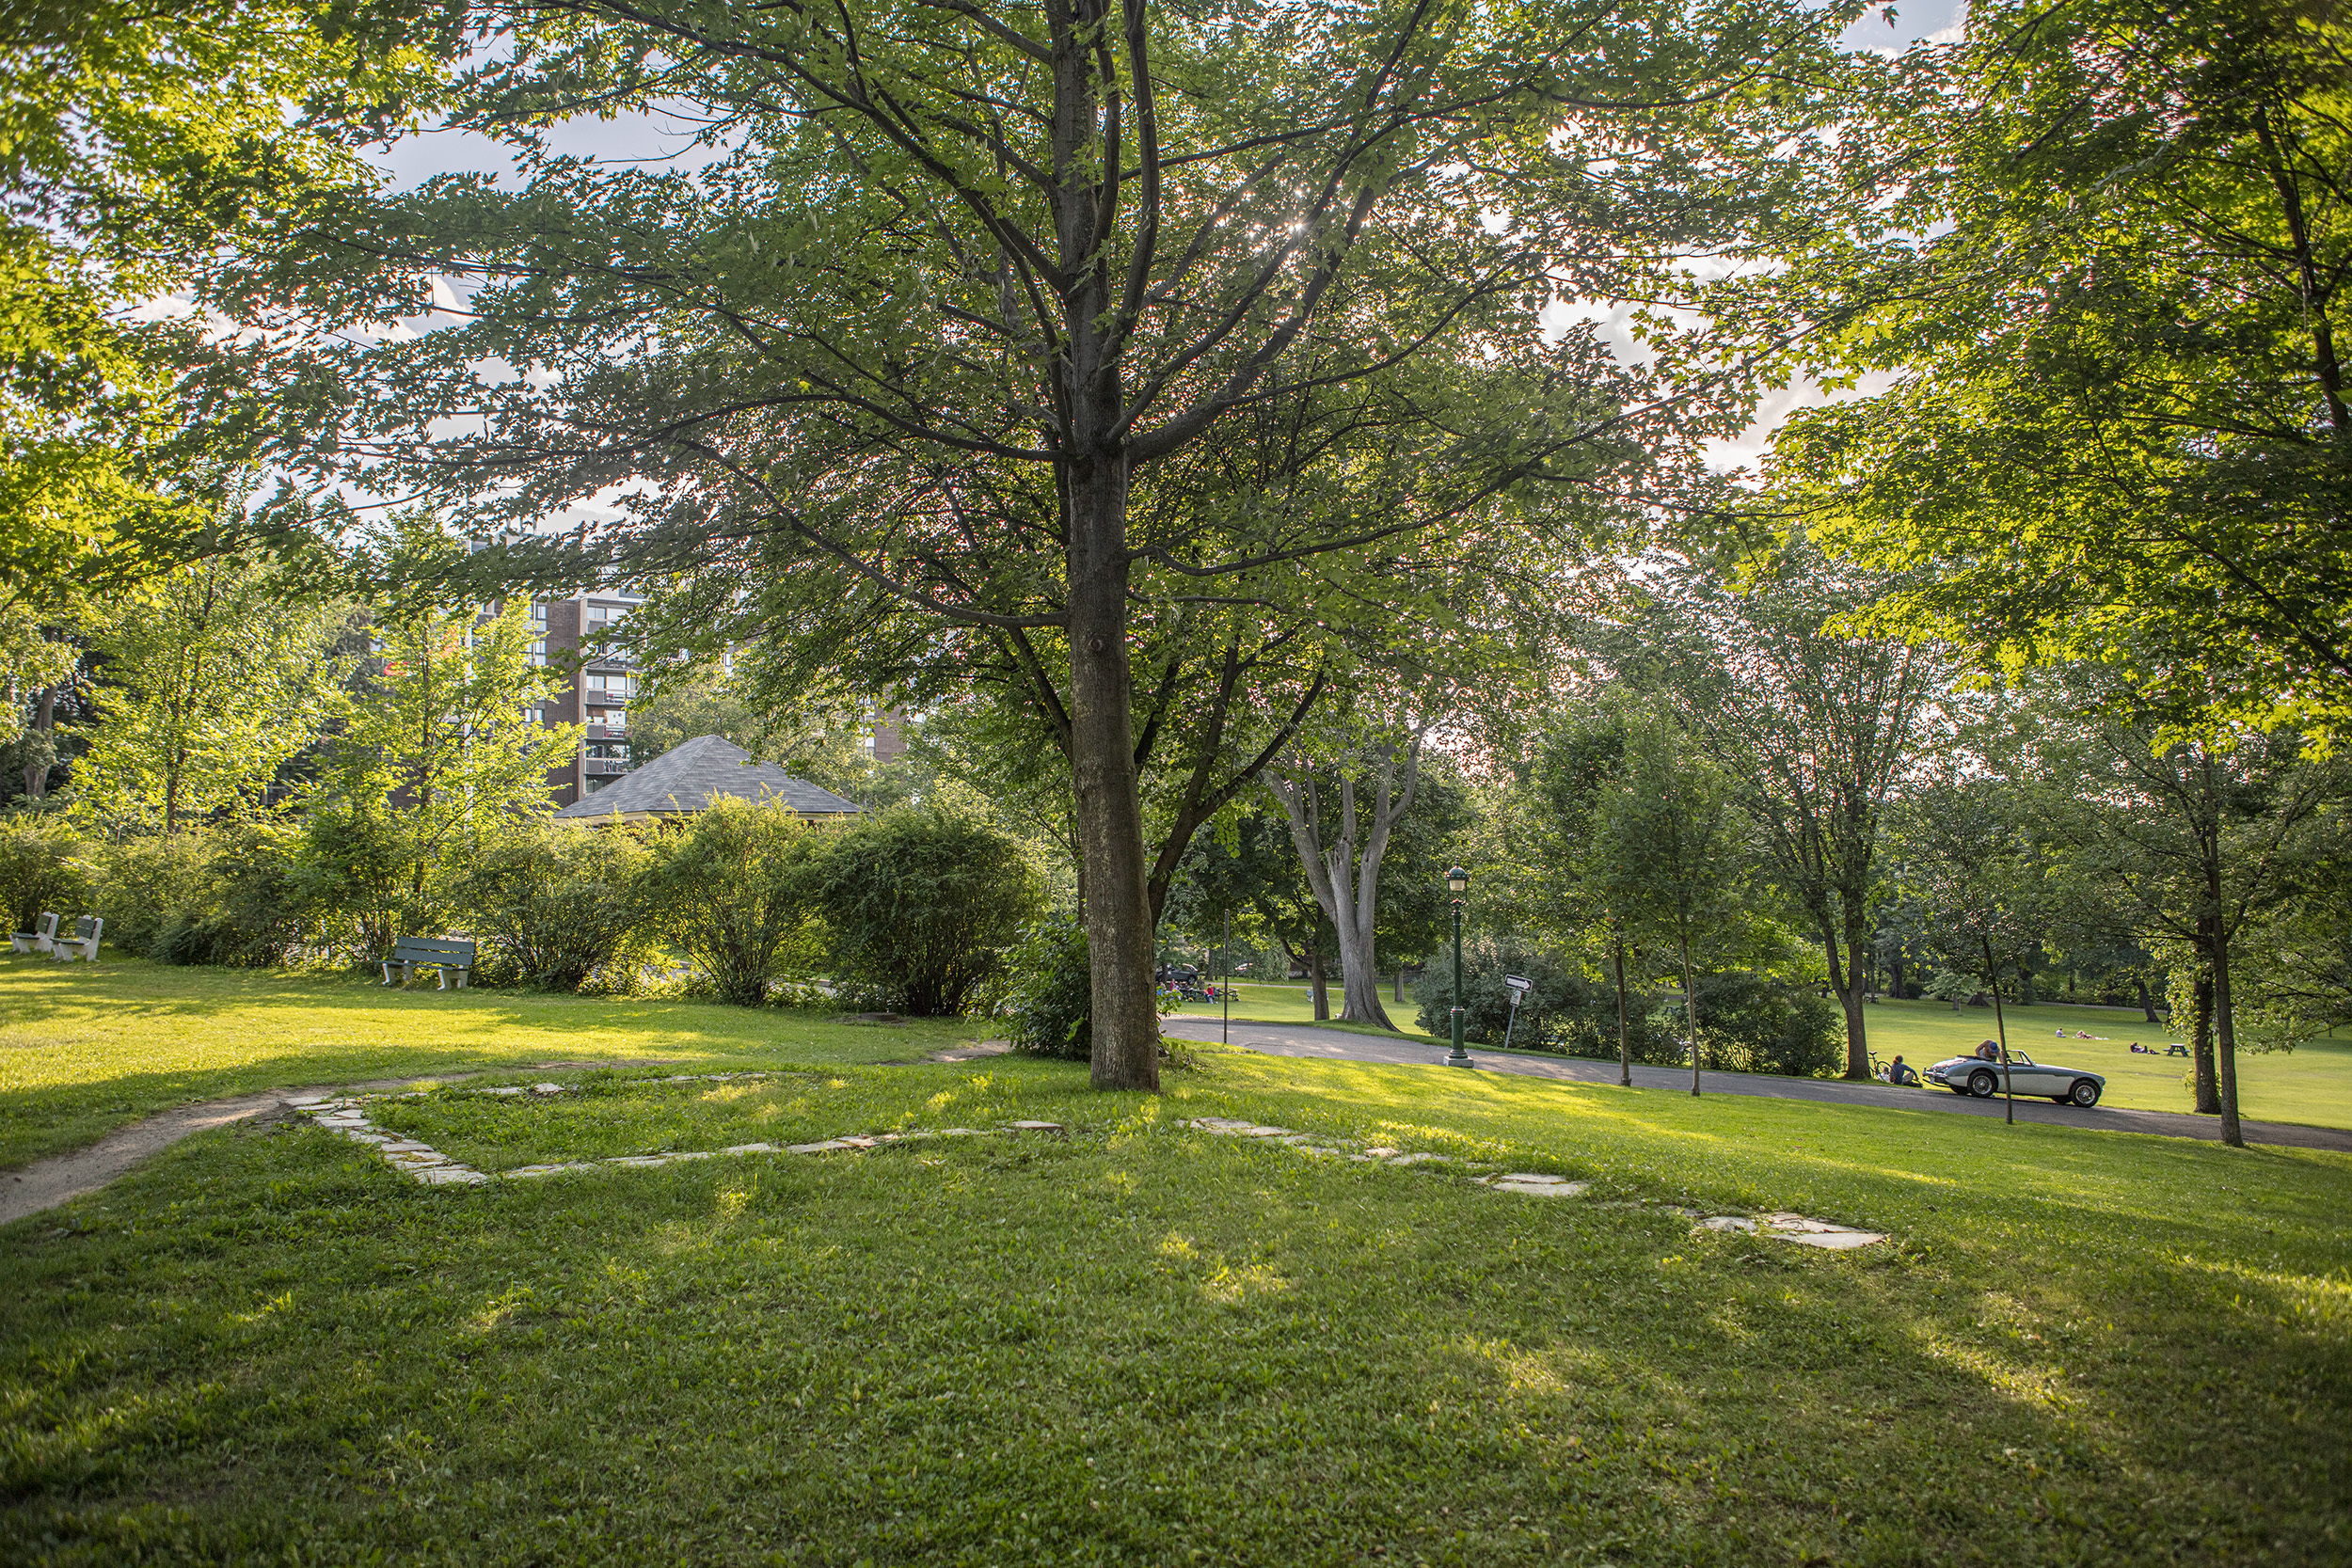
[85, 1048]
[1143, 1344]
[2311, 1085]
[1281, 1003]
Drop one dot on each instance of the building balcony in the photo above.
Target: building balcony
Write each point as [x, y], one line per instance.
[605, 768]
[607, 731]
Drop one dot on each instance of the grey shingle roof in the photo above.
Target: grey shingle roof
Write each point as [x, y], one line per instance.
[689, 777]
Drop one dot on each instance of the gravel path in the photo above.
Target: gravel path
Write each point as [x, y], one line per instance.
[1339, 1045]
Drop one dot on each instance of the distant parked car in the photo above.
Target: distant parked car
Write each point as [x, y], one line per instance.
[1179, 975]
[1977, 1076]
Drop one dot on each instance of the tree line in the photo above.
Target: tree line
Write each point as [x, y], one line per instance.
[1207, 413]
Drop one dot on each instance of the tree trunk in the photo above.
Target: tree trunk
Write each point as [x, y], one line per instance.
[2001, 1032]
[42, 757]
[1400, 985]
[1345, 870]
[1690, 1013]
[1103, 776]
[1624, 1039]
[1845, 980]
[2208, 1092]
[2227, 1041]
[1314, 978]
[2147, 1008]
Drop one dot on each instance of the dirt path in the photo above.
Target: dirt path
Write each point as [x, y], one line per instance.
[45, 1184]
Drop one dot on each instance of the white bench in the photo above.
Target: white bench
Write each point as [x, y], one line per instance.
[83, 944]
[40, 939]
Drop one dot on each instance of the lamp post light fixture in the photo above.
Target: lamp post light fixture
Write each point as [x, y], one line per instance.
[1457, 883]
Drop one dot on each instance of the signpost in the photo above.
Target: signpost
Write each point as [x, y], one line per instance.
[1519, 987]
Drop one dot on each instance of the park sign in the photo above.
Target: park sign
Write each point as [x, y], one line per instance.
[1518, 983]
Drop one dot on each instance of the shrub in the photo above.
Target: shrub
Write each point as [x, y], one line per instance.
[355, 860]
[246, 904]
[552, 904]
[1043, 993]
[919, 906]
[141, 883]
[1748, 1023]
[41, 868]
[733, 890]
[1563, 1012]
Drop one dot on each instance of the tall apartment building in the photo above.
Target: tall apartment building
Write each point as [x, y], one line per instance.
[597, 695]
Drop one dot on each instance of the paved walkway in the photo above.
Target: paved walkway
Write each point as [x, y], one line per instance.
[1339, 1045]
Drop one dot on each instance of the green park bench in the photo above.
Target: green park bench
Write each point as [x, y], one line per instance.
[43, 937]
[83, 944]
[448, 957]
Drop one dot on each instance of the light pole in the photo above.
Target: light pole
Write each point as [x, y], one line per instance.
[1457, 883]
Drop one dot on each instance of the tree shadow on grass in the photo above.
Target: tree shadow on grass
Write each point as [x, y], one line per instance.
[1149, 1347]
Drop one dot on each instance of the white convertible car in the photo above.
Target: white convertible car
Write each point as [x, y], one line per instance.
[1975, 1075]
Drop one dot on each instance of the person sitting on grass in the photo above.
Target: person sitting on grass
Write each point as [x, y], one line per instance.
[1899, 1072]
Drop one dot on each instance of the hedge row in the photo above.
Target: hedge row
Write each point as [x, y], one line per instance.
[908, 909]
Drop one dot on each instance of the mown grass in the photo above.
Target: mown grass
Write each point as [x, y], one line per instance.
[1143, 1344]
[85, 1048]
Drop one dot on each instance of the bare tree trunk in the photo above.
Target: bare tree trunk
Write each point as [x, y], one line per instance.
[2208, 1090]
[2000, 1030]
[1690, 1014]
[1624, 1039]
[1103, 775]
[2147, 1008]
[1314, 977]
[1345, 870]
[40, 759]
[2227, 1041]
[1400, 985]
[1845, 980]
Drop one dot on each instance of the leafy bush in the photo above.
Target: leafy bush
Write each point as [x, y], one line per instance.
[1043, 994]
[1563, 1012]
[1748, 1023]
[248, 904]
[919, 906]
[552, 904]
[733, 889]
[41, 868]
[356, 861]
[142, 883]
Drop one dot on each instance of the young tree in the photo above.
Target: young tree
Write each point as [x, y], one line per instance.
[1671, 858]
[1578, 770]
[1812, 726]
[439, 746]
[216, 676]
[961, 287]
[2204, 841]
[1970, 857]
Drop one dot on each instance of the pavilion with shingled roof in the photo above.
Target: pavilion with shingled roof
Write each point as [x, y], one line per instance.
[690, 777]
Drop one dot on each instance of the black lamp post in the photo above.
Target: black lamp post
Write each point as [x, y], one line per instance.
[1457, 883]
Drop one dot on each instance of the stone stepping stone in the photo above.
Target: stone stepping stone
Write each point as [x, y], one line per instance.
[1036, 1126]
[1536, 1185]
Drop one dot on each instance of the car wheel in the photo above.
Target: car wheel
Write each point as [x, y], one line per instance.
[2085, 1094]
[1983, 1084]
